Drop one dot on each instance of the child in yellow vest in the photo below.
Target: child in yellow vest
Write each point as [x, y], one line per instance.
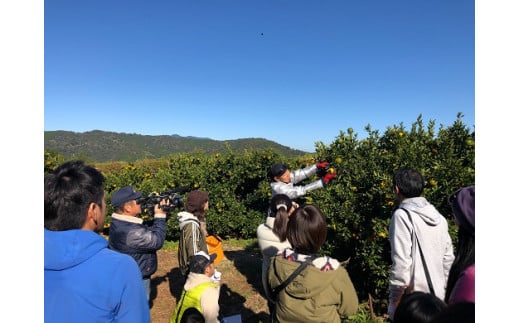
[201, 290]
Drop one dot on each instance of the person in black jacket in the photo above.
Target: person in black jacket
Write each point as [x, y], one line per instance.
[128, 234]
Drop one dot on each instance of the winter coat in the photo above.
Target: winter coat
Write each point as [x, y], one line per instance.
[464, 289]
[203, 294]
[84, 281]
[322, 292]
[269, 245]
[129, 235]
[407, 272]
[295, 191]
[191, 241]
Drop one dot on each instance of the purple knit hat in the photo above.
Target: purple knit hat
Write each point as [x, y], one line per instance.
[463, 205]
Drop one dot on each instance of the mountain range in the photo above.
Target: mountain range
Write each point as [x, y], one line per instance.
[104, 146]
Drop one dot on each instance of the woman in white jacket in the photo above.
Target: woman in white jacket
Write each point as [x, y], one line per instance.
[272, 234]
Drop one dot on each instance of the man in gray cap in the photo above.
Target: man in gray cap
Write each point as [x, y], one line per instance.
[128, 234]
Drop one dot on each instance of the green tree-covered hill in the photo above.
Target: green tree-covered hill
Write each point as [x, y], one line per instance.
[103, 146]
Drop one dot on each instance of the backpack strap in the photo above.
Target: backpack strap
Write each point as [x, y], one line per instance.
[430, 285]
[295, 273]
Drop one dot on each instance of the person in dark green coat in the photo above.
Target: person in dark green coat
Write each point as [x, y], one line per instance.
[323, 291]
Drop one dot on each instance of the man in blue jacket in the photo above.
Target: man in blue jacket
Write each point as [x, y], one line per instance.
[84, 280]
[128, 234]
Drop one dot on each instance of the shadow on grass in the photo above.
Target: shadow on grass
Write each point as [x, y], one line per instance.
[233, 303]
[176, 283]
[249, 263]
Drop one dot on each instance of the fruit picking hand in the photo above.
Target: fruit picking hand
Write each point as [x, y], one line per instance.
[328, 177]
[322, 165]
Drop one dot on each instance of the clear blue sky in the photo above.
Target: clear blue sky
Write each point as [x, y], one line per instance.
[295, 72]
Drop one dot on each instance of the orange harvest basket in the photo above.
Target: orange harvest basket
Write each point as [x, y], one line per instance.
[215, 246]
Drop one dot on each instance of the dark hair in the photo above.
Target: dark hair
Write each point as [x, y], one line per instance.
[464, 258]
[465, 251]
[192, 315]
[68, 192]
[460, 312]
[276, 170]
[418, 307]
[195, 204]
[280, 205]
[409, 181]
[307, 229]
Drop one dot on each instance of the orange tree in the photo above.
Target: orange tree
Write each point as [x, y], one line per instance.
[236, 182]
[51, 160]
[360, 201]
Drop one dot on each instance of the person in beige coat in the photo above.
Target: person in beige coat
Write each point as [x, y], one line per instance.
[272, 234]
[323, 291]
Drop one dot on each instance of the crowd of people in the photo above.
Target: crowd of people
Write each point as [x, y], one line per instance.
[429, 281]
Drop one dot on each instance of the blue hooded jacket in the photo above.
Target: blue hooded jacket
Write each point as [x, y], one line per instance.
[87, 282]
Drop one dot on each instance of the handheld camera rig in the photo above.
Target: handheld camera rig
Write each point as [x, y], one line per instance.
[173, 196]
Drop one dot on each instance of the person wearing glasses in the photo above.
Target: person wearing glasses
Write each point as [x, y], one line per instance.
[130, 235]
[84, 280]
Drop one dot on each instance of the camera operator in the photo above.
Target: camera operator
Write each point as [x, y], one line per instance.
[128, 234]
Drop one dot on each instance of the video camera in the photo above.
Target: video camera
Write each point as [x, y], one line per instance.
[173, 196]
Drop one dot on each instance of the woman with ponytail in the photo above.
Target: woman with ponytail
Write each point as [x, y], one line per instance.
[272, 235]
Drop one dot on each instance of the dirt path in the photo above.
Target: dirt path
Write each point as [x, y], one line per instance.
[241, 287]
